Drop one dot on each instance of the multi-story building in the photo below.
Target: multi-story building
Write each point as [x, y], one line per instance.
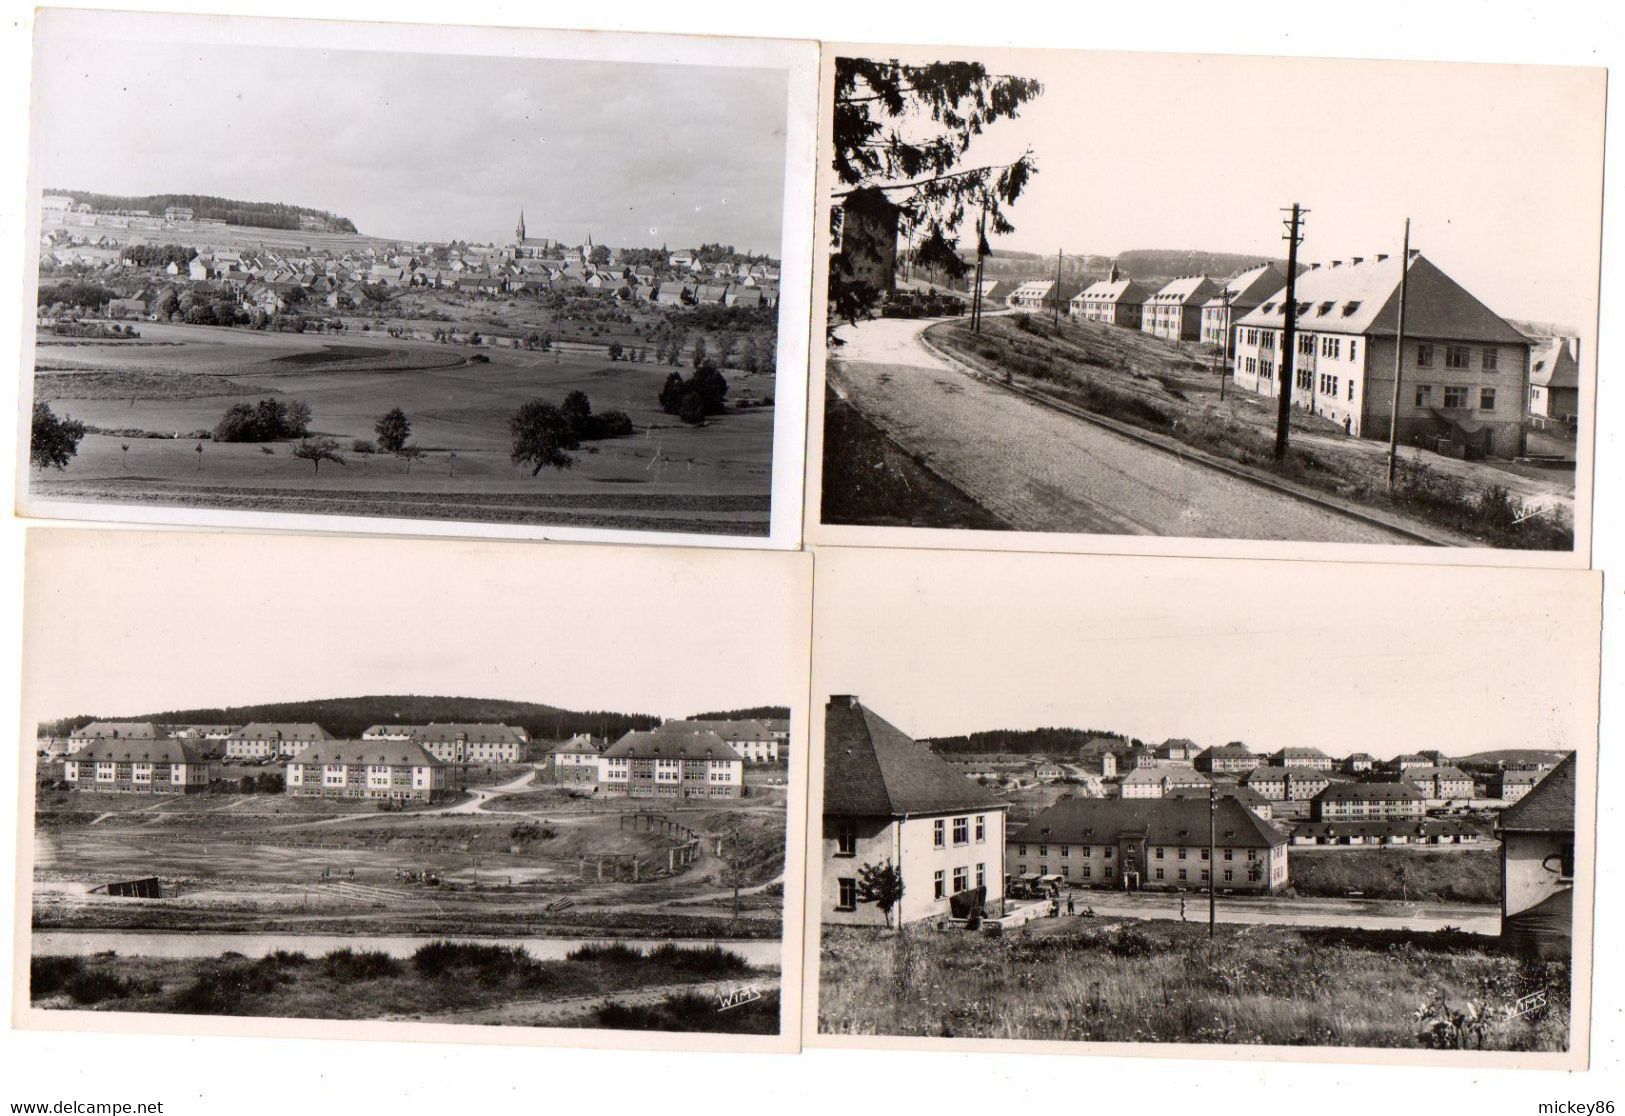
[889, 799]
[1158, 843]
[1174, 313]
[1537, 866]
[1112, 301]
[1358, 763]
[1226, 759]
[1286, 784]
[1249, 798]
[1554, 381]
[1176, 750]
[153, 766]
[1157, 782]
[1035, 294]
[1407, 761]
[268, 739]
[1441, 784]
[671, 765]
[753, 740]
[1367, 802]
[396, 769]
[389, 732]
[1509, 785]
[1237, 296]
[98, 731]
[575, 762]
[1312, 758]
[1464, 371]
[471, 743]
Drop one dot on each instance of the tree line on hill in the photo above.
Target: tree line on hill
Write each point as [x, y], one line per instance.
[1022, 742]
[752, 713]
[347, 718]
[260, 215]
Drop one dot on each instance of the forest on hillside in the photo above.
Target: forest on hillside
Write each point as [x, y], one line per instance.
[259, 215]
[347, 717]
[1023, 742]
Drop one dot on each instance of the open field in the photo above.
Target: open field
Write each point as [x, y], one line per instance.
[1166, 982]
[1173, 391]
[549, 866]
[155, 399]
[666, 988]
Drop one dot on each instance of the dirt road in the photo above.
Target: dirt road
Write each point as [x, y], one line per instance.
[1363, 914]
[1041, 470]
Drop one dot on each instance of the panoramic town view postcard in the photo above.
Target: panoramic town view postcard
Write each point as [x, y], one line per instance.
[1166, 806]
[554, 293]
[571, 817]
[1072, 301]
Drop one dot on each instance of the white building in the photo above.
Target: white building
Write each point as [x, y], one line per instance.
[161, 766]
[273, 739]
[395, 769]
[890, 800]
[671, 765]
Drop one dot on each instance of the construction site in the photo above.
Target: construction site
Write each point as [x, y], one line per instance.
[515, 860]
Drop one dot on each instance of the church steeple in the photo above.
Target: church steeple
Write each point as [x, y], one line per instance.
[519, 232]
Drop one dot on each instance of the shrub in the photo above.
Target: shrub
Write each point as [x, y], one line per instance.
[708, 960]
[266, 421]
[49, 975]
[348, 965]
[362, 445]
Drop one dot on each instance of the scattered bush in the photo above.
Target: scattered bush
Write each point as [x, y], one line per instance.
[362, 445]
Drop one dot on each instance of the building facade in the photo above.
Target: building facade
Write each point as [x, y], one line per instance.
[1554, 381]
[1312, 758]
[890, 800]
[393, 769]
[1160, 844]
[1367, 802]
[471, 743]
[671, 765]
[1111, 301]
[1441, 784]
[752, 739]
[115, 731]
[1286, 784]
[1464, 371]
[274, 740]
[575, 762]
[1174, 313]
[150, 766]
[1236, 297]
[1537, 867]
[1226, 759]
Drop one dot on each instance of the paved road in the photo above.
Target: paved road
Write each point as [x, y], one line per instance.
[1365, 914]
[1042, 470]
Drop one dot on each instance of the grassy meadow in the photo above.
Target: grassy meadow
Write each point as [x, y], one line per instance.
[1443, 875]
[440, 979]
[1166, 982]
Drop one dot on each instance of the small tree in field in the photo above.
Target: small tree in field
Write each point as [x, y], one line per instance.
[615, 350]
[54, 441]
[410, 454]
[393, 429]
[882, 885]
[318, 450]
[541, 435]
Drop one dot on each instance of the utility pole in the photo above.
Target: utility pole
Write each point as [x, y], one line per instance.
[1223, 357]
[1289, 333]
[1057, 293]
[1212, 857]
[1399, 354]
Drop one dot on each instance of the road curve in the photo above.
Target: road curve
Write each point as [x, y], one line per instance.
[1039, 469]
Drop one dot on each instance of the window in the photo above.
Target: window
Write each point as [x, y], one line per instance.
[1354, 346]
[961, 879]
[848, 900]
[1043, 869]
[1458, 356]
[1109, 851]
[1424, 356]
[1021, 869]
[1158, 852]
[1486, 399]
[1182, 875]
[1424, 395]
[1087, 871]
[961, 831]
[981, 828]
[1182, 851]
[1043, 850]
[1021, 850]
[1455, 396]
[939, 884]
[939, 835]
[981, 875]
[1228, 875]
[1066, 850]
[1492, 360]
[846, 837]
[1158, 873]
[1110, 872]
[1351, 388]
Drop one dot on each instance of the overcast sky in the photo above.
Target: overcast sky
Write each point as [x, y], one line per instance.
[423, 146]
[1499, 167]
[123, 623]
[1340, 656]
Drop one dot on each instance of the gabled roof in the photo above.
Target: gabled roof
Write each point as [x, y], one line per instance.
[578, 746]
[1432, 772]
[1184, 289]
[1264, 774]
[873, 769]
[394, 753]
[1251, 287]
[1145, 775]
[125, 750]
[670, 746]
[121, 730]
[277, 730]
[1164, 821]
[747, 729]
[1549, 808]
[1552, 364]
[435, 733]
[1370, 792]
[1244, 795]
[1302, 753]
[1364, 298]
[1127, 291]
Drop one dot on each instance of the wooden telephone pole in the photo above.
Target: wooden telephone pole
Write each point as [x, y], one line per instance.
[976, 295]
[1057, 292]
[1212, 857]
[1289, 332]
[1399, 355]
